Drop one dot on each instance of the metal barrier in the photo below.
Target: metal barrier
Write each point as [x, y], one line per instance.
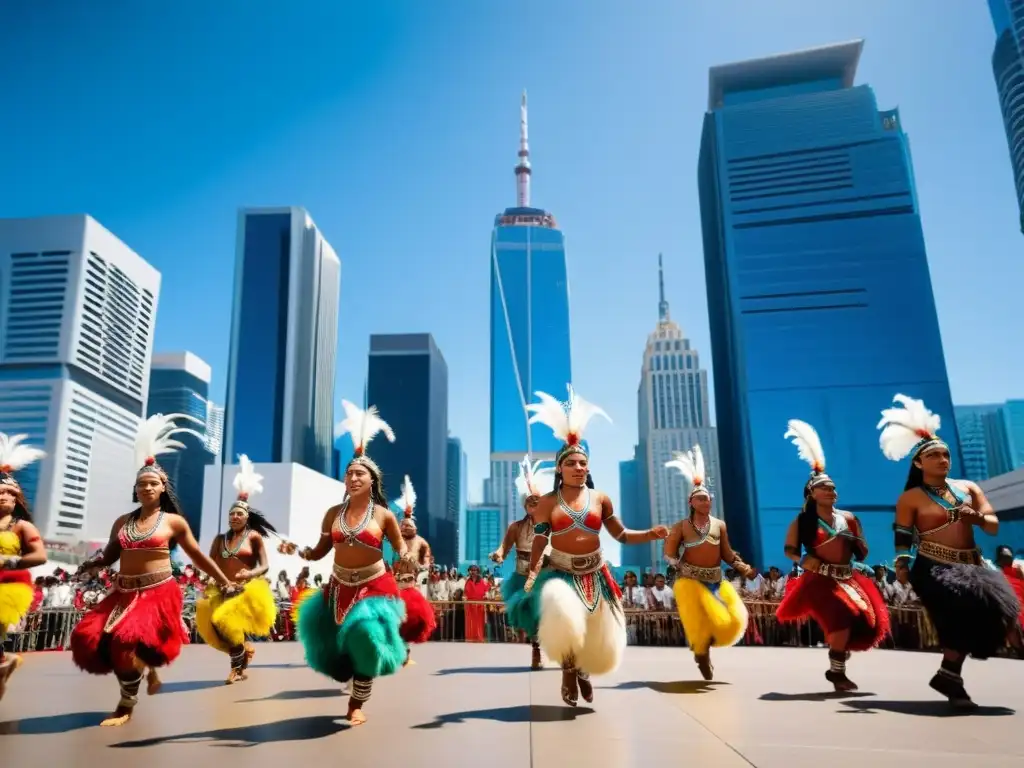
[484, 622]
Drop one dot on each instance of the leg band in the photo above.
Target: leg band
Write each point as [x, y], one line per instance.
[239, 657]
[837, 662]
[362, 687]
[129, 691]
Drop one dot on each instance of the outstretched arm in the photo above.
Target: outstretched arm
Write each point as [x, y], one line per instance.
[183, 535]
[323, 544]
[731, 557]
[624, 535]
[111, 553]
[510, 539]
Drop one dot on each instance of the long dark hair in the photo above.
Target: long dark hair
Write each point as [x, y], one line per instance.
[257, 521]
[807, 520]
[915, 477]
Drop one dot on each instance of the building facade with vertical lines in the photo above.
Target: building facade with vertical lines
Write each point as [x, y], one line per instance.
[77, 314]
[819, 293]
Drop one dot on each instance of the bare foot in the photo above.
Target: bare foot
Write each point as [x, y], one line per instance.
[153, 683]
[236, 676]
[121, 716]
[409, 662]
[356, 717]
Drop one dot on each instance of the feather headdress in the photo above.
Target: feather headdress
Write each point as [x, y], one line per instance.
[912, 429]
[156, 437]
[532, 480]
[808, 446]
[690, 465]
[247, 482]
[363, 426]
[14, 456]
[407, 501]
[567, 420]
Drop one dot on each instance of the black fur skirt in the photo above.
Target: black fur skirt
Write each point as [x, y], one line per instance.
[972, 607]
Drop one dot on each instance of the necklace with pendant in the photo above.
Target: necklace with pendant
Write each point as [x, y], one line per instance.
[350, 533]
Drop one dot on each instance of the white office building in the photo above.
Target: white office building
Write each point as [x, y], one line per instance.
[674, 415]
[77, 313]
[294, 500]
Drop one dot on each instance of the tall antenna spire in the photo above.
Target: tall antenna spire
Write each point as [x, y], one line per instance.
[662, 303]
[523, 166]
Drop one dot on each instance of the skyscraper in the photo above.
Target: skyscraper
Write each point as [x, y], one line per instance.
[180, 383]
[78, 309]
[214, 427]
[814, 259]
[674, 415]
[408, 382]
[284, 339]
[458, 482]
[484, 530]
[1008, 69]
[529, 329]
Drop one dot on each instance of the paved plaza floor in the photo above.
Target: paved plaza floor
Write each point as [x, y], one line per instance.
[479, 705]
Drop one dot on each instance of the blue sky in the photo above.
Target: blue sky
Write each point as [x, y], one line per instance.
[395, 124]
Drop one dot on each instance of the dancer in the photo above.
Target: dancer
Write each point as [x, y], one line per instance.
[223, 622]
[21, 546]
[359, 626]
[419, 557]
[581, 624]
[138, 625]
[532, 483]
[973, 608]
[712, 613]
[841, 599]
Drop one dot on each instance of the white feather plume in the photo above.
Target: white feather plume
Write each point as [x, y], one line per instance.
[362, 425]
[156, 436]
[534, 480]
[808, 444]
[544, 481]
[407, 501]
[903, 428]
[15, 455]
[690, 465]
[247, 482]
[569, 420]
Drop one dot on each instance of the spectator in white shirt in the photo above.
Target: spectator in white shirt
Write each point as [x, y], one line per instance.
[59, 595]
[885, 589]
[903, 593]
[773, 586]
[660, 596]
[633, 595]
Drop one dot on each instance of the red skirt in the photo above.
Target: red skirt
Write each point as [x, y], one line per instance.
[144, 624]
[419, 620]
[836, 605]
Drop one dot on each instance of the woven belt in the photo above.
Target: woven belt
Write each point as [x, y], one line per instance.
[706, 575]
[577, 564]
[944, 554]
[833, 571]
[354, 577]
[142, 581]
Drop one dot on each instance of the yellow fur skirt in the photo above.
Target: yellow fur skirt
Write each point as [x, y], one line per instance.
[713, 615]
[224, 622]
[16, 596]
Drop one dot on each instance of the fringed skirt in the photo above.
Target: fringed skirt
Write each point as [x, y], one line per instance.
[223, 622]
[354, 629]
[140, 619]
[16, 596]
[972, 608]
[580, 619]
[853, 604]
[712, 614]
[522, 608]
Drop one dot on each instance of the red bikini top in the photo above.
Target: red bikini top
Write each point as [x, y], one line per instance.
[130, 538]
[361, 534]
[586, 519]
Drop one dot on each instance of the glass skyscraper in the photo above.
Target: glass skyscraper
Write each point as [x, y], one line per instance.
[284, 340]
[458, 489]
[1008, 69]
[179, 382]
[530, 348]
[819, 294]
[408, 382]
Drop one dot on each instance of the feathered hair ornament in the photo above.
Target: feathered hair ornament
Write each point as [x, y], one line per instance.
[156, 438]
[567, 420]
[532, 480]
[363, 426]
[690, 465]
[247, 482]
[407, 501]
[912, 429]
[808, 446]
[15, 456]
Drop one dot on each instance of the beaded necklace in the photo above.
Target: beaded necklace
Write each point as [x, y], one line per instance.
[226, 550]
[348, 532]
[132, 532]
[576, 517]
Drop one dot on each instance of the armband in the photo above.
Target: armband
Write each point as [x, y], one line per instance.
[904, 540]
[542, 529]
[33, 539]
